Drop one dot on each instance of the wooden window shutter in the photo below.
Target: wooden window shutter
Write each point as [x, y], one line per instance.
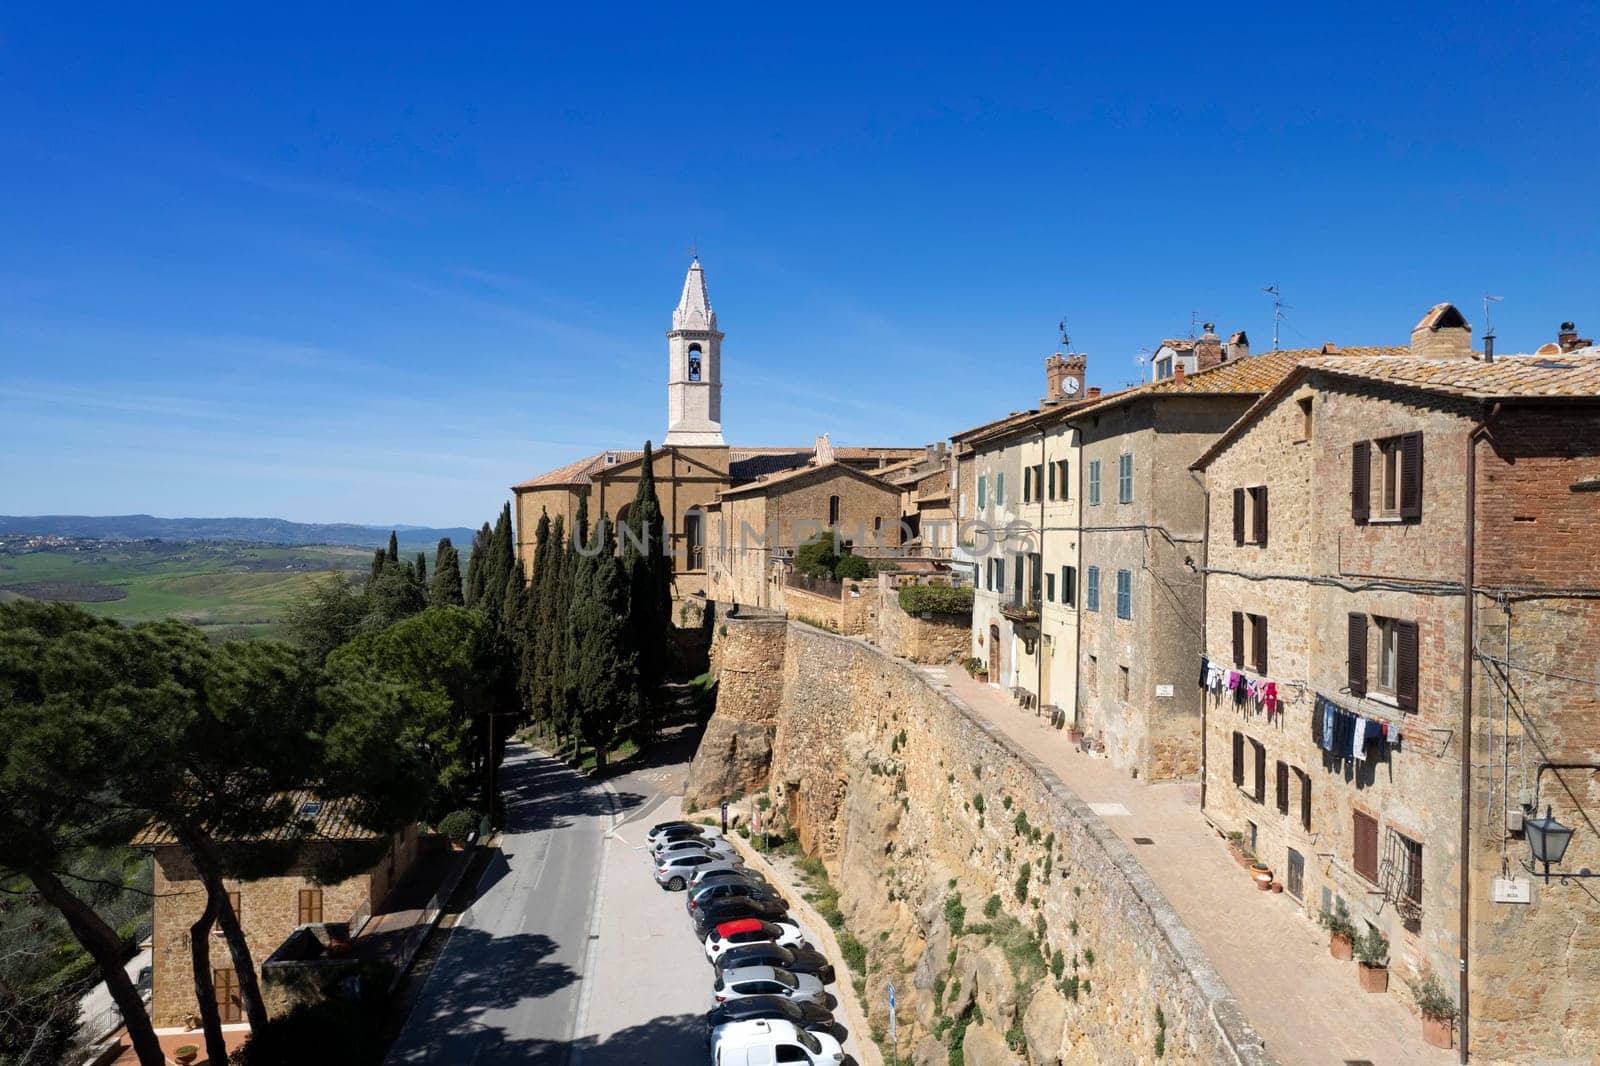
[1358, 655]
[1405, 673]
[1283, 787]
[1238, 516]
[1258, 634]
[1361, 480]
[1261, 772]
[1238, 758]
[1366, 846]
[1261, 515]
[1238, 640]
[1305, 801]
[1411, 475]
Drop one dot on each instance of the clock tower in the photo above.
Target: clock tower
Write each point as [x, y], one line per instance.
[1064, 378]
[694, 368]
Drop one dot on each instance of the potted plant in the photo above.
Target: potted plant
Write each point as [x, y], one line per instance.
[1341, 931]
[1372, 949]
[185, 1053]
[1438, 1011]
[458, 827]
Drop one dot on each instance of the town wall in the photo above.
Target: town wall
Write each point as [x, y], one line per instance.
[912, 800]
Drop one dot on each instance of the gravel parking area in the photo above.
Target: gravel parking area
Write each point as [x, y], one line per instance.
[651, 984]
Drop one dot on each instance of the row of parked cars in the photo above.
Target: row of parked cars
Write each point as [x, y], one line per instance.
[769, 984]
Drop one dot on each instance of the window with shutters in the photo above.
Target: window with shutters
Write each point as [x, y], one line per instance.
[1124, 594]
[1261, 770]
[1069, 585]
[1366, 846]
[1356, 655]
[1094, 483]
[1258, 643]
[1250, 515]
[1397, 476]
[1038, 482]
[1281, 791]
[1238, 758]
[1062, 484]
[1397, 661]
[1238, 640]
[1361, 481]
[1388, 655]
[1091, 592]
[310, 906]
[1050, 587]
[983, 491]
[1027, 484]
[1051, 479]
[1125, 478]
[1305, 798]
[1000, 489]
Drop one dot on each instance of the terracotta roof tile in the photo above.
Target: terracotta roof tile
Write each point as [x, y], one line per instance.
[1240, 377]
[580, 472]
[323, 820]
[773, 480]
[1557, 377]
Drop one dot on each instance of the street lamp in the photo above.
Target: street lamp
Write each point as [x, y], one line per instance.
[1547, 840]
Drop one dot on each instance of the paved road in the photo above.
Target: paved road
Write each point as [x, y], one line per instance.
[508, 986]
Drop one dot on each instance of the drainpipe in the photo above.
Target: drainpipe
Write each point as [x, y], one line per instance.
[1205, 562]
[1077, 598]
[1038, 659]
[1464, 934]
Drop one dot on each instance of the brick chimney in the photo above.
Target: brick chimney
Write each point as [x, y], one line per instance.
[1569, 340]
[1177, 374]
[1443, 333]
[1238, 347]
[1208, 349]
[1094, 392]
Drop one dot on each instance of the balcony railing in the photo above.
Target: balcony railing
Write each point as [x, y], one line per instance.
[1022, 608]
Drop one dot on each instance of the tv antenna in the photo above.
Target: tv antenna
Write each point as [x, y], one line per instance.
[1277, 310]
[1488, 326]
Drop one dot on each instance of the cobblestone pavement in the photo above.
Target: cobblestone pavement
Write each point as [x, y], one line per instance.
[1306, 1005]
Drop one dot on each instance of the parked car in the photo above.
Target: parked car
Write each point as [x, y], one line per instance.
[661, 828]
[751, 1008]
[709, 917]
[759, 1041]
[683, 832]
[768, 981]
[751, 931]
[708, 875]
[674, 872]
[720, 848]
[797, 960]
[699, 897]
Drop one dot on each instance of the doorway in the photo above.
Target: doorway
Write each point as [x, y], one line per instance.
[226, 986]
[1048, 651]
[994, 654]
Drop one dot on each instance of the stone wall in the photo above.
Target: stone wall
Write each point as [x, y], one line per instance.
[735, 752]
[934, 638]
[919, 808]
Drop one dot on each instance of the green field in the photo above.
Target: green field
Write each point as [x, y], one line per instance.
[230, 590]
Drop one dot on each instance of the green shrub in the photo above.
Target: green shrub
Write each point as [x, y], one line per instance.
[1022, 882]
[852, 568]
[854, 952]
[935, 599]
[458, 826]
[977, 802]
[991, 906]
[955, 913]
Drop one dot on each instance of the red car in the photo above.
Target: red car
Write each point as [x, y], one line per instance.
[744, 931]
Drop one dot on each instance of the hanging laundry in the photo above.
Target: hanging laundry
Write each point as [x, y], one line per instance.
[1358, 739]
[1214, 681]
[1205, 668]
[1233, 680]
[1270, 697]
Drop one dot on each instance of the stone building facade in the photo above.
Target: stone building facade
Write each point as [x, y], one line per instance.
[269, 910]
[1348, 596]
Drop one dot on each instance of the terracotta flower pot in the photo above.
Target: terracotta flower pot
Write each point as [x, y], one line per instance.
[186, 1055]
[1074, 736]
[1437, 1032]
[1374, 978]
[1264, 883]
[1341, 947]
[1277, 886]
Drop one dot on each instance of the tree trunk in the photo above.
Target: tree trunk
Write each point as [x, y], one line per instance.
[208, 864]
[103, 945]
[205, 990]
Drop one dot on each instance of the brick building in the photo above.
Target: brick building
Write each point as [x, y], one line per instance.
[1336, 552]
[269, 909]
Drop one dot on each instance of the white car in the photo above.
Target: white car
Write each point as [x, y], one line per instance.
[744, 931]
[720, 848]
[762, 1041]
[768, 981]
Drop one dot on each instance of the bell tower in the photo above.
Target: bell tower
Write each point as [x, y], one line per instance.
[694, 374]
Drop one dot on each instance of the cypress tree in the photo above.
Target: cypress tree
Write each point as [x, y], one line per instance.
[475, 565]
[422, 568]
[648, 572]
[532, 665]
[379, 558]
[603, 669]
[446, 588]
[571, 560]
[501, 560]
[394, 548]
[551, 624]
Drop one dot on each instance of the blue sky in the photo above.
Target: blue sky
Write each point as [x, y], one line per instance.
[376, 266]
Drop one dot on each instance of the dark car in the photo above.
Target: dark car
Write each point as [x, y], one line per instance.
[726, 910]
[740, 873]
[719, 890]
[795, 960]
[806, 1015]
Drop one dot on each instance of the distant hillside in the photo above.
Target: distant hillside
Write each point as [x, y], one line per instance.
[254, 530]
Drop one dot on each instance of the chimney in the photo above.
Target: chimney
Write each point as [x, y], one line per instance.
[1208, 349]
[1177, 374]
[1238, 347]
[1569, 340]
[1443, 333]
[1094, 392]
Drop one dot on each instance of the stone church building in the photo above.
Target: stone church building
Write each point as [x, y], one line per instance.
[694, 464]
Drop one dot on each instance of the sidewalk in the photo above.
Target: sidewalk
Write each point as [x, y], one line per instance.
[1307, 1006]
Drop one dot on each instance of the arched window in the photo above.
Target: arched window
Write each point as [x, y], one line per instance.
[833, 510]
[694, 362]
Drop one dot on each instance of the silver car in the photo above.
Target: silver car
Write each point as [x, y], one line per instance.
[674, 871]
[768, 981]
[720, 848]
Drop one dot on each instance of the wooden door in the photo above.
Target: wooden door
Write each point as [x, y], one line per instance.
[226, 984]
[994, 654]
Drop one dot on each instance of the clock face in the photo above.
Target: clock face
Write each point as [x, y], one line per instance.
[1071, 386]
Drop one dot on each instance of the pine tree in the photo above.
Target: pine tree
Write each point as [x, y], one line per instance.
[394, 548]
[648, 572]
[446, 588]
[475, 565]
[603, 667]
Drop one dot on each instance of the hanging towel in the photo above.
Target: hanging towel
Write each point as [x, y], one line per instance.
[1358, 739]
[1233, 680]
[1270, 696]
[1205, 668]
[1327, 726]
[1214, 680]
[1240, 692]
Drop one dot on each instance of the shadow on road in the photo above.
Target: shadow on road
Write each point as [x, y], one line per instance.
[674, 1040]
[542, 794]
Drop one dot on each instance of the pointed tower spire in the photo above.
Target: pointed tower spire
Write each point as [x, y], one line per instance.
[694, 368]
[694, 308]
